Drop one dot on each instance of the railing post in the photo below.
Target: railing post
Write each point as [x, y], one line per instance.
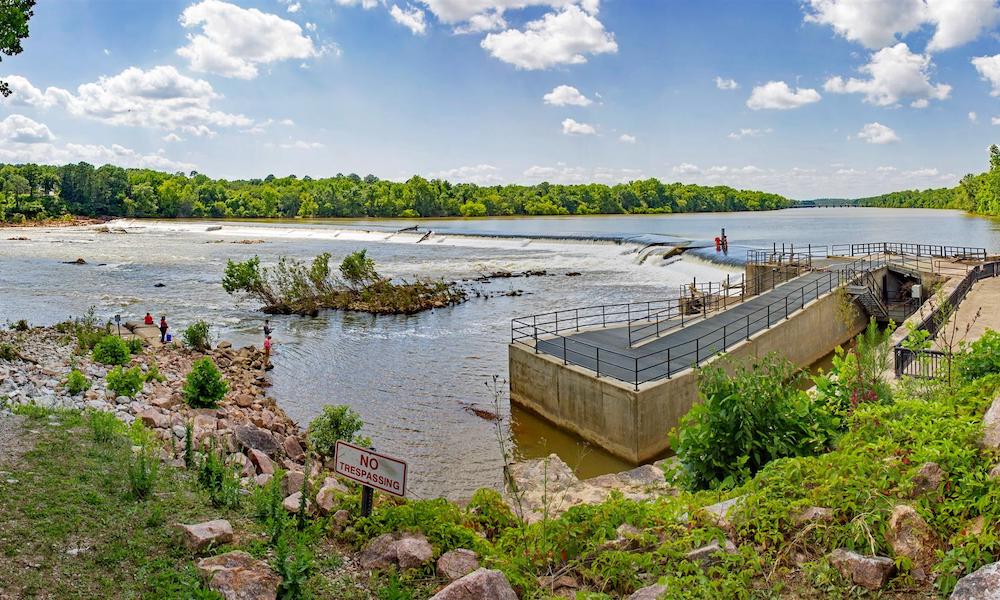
[565, 356]
[668, 362]
[768, 316]
[604, 321]
[597, 367]
[534, 329]
[578, 319]
[748, 326]
[697, 351]
[724, 336]
[637, 373]
[786, 307]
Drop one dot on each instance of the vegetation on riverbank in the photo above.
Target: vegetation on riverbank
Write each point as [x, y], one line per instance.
[978, 194]
[34, 192]
[292, 287]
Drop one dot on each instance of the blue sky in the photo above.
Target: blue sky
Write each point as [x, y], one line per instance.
[808, 99]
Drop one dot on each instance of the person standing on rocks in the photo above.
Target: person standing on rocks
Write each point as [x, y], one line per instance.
[163, 329]
[267, 352]
[267, 328]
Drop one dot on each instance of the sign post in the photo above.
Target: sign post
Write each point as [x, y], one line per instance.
[118, 321]
[372, 470]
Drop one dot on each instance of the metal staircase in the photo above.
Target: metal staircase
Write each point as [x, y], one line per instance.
[868, 293]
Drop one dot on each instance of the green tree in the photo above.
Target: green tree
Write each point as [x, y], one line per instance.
[14, 17]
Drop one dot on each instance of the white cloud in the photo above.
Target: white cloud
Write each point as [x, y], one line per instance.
[930, 172]
[159, 98]
[895, 74]
[456, 11]
[748, 132]
[885, 170]
[18, 129]
[107, 52]
[973, 117]
[366, 4]
[235, 41]
[482, 174]
[995, 120]
[412, 19]
[172, 137]
[879, 23]
[877, 133]
[686, 169]
[566, 95]
[310, 26]
[626, 138]
[564, 174]
[559, 38]
[302, 145]
[989, 69]
[726, 84]
[778, 96]
[489, 21]
[571, 127]
[294, 7]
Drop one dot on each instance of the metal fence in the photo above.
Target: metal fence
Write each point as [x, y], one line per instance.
[929, 363]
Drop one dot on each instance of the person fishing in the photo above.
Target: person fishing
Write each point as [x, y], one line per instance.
[267, 328]
[163, 329]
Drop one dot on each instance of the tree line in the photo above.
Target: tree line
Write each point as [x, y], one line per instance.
[974, 193]
[31, 192]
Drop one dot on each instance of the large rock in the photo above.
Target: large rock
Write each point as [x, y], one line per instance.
[153, 418]
[407, 551]
[549, 486]
[909, 535]
[708, 554]
[326, 496]
[991, 426]
[871, 572]
[718, 514]
[249, 437]
[928, 478]
[238, 576]
[650, 592]
[199, 536]
[814, 514]
[260, 460]
[457, 563]
[293, 448]
[983, 584]
[481, 584]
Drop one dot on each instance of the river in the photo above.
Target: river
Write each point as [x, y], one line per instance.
[414, 379]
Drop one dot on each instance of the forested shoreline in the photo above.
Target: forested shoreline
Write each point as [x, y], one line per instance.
[978, 194]
[32, 192]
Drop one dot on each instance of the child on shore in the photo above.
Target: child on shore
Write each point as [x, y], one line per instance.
[267, 352]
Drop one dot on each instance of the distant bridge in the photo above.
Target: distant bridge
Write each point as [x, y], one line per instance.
[826, 203]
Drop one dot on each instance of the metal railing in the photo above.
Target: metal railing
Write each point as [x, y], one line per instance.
[928, 363]
[638, 367]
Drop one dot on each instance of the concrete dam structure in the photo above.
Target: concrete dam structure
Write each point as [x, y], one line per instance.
[622, 376]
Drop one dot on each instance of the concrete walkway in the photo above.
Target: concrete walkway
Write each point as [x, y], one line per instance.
[607, 352]
[978, 312]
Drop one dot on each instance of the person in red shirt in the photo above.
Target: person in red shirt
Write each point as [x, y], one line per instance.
[148, 320]
[267, 351]
[163, 330]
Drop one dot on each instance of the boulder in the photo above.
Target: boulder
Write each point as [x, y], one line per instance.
[262, 479]
[255, 438]
[718, 513]
[995, 472]
[407, 551]
[983, 584]
[928, 478]
[326, 496]
[238, 576]
[340, 520]
[871, 572]
[481, 584]
[563, 586]
[413, 551]
[909, 535]
[814, 514]
[991, 426]
[708, 554]
[293, 482]
[261, 461]
[153, 418]
[199, 536]
[294, 501]
[456, 564]
[650, 592]
[293, 448]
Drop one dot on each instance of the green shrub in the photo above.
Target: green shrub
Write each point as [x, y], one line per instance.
[125, 382]
[358, 270]
[747, 420]
[9, 352]
[153, 373]
[981, 358]
[104, 427]
[142, 472]
[134, 345]
[112, 350]
[77, 382]
[440, 520]
[335, 423]
[85, 330]
[222, 482]
[205, 386]
[489, 514]
[294, 562]
[21, 325]
[198, 336]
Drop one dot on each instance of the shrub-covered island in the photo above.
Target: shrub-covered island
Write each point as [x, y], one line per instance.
[292, 287]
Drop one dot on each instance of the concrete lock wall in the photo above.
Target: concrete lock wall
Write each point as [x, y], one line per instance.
[634, 424]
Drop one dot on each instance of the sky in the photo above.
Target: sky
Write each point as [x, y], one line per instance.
[810, 99]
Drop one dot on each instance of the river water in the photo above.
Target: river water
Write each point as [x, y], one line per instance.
[414, 379]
